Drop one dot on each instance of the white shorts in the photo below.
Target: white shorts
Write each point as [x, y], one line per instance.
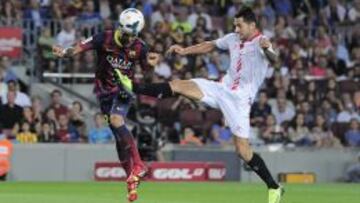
[234, 104]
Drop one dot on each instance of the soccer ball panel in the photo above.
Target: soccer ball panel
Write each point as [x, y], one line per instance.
[131, 21]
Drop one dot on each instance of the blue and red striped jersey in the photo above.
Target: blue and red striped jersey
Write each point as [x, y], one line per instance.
[111, 56]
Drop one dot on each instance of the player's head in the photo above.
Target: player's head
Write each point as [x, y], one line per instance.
[131, 22]
[245, 23]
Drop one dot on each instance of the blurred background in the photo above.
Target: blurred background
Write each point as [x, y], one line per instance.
[306, 117]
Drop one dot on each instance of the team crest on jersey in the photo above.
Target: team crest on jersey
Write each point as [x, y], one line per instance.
[118, 62]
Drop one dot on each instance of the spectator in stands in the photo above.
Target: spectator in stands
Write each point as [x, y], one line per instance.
[318, 69]
[162, 68]
[265, 9]
[232, 10]
[307, 113]
[74, 7]
[10, 112]
[57, 10]
[34, 13]
[56, 103]
[163, 14]
[299, 133]
[283, 30]
[199, 11]
[101, 133]
[329, 112]
[66, 36]
[47, 134]
[220, 134]
[66, 132]
[37, 108]
[356, 100]
[21, 99]
[339, 56]
[28, 116]
[3, 87]
[181, 21]
[89, 15]
[282, 111]
[260, 110]
[283, 7]
[5, 64]
[272, 132]
[335, 11]
[50, 118]
[45, 43]
[352, 136]
[189, 138]
[9, 13]
[321, 134]
[347, 110]
[77, 118]
[332, 85]
[354, 12]
[25, 136]
[313, 95]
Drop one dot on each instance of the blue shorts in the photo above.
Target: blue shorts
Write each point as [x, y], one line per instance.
[116, 103]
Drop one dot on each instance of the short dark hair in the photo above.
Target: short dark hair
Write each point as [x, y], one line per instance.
[247, 14]
[56, 91]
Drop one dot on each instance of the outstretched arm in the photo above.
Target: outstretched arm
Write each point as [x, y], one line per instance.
[62, 52]
[201, 48]
[93, 42]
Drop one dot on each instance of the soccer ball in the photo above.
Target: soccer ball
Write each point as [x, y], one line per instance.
[131, 21]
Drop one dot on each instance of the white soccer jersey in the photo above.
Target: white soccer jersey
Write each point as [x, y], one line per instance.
[248, 63]
[235, 94]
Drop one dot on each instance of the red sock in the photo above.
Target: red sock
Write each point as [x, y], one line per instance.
[124, 157]
[127, 148]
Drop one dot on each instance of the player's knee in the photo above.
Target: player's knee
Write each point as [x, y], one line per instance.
[176, 85]
[243, 149]
[117, 120]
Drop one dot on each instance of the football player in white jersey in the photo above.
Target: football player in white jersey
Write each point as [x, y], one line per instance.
[250, 53]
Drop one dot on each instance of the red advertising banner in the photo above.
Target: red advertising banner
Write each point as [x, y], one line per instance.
[178, 171]
[109, 171]
[165, 171]
[216, 171]
[10, 42]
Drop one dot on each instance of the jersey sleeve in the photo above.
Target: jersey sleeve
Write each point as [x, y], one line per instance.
[93, 42]
[144, 50]
[224, 42]
[261, 50]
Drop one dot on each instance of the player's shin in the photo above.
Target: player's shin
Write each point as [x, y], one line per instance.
[124, 157]
[127, 142]
[258, 165]
[159, 90]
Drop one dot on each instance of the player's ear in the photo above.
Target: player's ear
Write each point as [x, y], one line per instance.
[252, 24]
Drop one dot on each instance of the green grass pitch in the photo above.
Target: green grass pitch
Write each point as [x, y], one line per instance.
[152, 192]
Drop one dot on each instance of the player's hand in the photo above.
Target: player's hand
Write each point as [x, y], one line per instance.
[58, 51]
[153, 58]
[265, 43]
[177, 49]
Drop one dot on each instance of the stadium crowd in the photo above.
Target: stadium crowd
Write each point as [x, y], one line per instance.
[311, 96]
